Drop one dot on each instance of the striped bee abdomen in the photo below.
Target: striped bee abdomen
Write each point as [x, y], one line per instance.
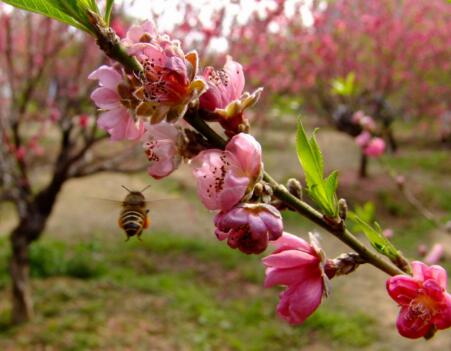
[132, 221]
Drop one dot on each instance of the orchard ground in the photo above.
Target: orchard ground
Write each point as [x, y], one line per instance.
[181, 289]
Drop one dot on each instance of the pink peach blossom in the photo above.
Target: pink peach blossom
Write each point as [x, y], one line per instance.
[363, 139]
[224, 85]
[161, 145]
[116, 119]
[375, 147]
[169, 81]
[224, 177]
[425, 304]
[249, 227]
[225, 96]
[299, 266]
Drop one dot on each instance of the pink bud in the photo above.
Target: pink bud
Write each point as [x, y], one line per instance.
[249, 227]
[83, 121]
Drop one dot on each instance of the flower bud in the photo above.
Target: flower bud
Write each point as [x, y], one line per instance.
[295, 188]
[342, 209]
[344, 264]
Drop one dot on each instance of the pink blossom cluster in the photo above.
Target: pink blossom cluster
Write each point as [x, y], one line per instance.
[149, 106]
[146, 107]
[371, 145]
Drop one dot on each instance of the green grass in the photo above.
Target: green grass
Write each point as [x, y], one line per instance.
[206, 296]
[429, 161]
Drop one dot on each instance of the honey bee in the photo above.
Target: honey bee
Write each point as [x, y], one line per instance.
[133, 217]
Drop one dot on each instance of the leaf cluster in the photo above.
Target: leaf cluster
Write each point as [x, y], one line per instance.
[71, 12]
[321, 190]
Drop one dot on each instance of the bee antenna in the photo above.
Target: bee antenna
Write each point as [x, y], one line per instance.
[126, 188]
[145, 188]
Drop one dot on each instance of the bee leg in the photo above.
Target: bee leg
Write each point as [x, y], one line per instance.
[139, 235]
[127, 238]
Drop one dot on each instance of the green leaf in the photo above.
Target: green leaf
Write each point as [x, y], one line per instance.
[71, 12]
[322, 191]
[375, 237]
[108, 9]
[331, 185]
[345, 86]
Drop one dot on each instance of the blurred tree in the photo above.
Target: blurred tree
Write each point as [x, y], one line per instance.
[398, 51]
[48, 131]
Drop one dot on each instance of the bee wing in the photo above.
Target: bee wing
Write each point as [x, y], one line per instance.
[153, 201]
[103, 202]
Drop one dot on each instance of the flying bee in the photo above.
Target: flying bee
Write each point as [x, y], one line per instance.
[133, 218]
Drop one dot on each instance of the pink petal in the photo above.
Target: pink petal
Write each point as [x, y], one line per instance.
[248, 153]
[438, 274]
[236, 75]
[257, 226]
[110, 119]
[107, 76]
[162, 130]
[409, 327]
[403, 289]
[289, 259]
[135, 32]
[105, 98]
[132, 132]
[221, 235]
[236, 217]
[299, 301]
[286, 276]
[291, 241]
[418, 270]
[442, 320]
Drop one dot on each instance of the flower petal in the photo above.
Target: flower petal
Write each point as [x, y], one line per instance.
[105, 98]
[402, 289]
[286, 276]
[299, 301]
[412, 328]
[108, 77]
[442, 320]
[291, 241]
[290, 259]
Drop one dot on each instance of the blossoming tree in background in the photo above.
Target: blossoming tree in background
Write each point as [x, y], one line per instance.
[46, 121]
[154, 93]
[397, 53]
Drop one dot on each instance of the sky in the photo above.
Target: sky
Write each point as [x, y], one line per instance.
[141, 8]
[167, 9]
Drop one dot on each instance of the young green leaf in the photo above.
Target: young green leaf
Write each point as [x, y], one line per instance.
[322, 191]
[108, 9]
[375, 237]
[71, 12]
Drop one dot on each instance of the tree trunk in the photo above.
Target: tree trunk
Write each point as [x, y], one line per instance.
[363, 170]
[29, 229]
[22, 305]
[390, 137]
